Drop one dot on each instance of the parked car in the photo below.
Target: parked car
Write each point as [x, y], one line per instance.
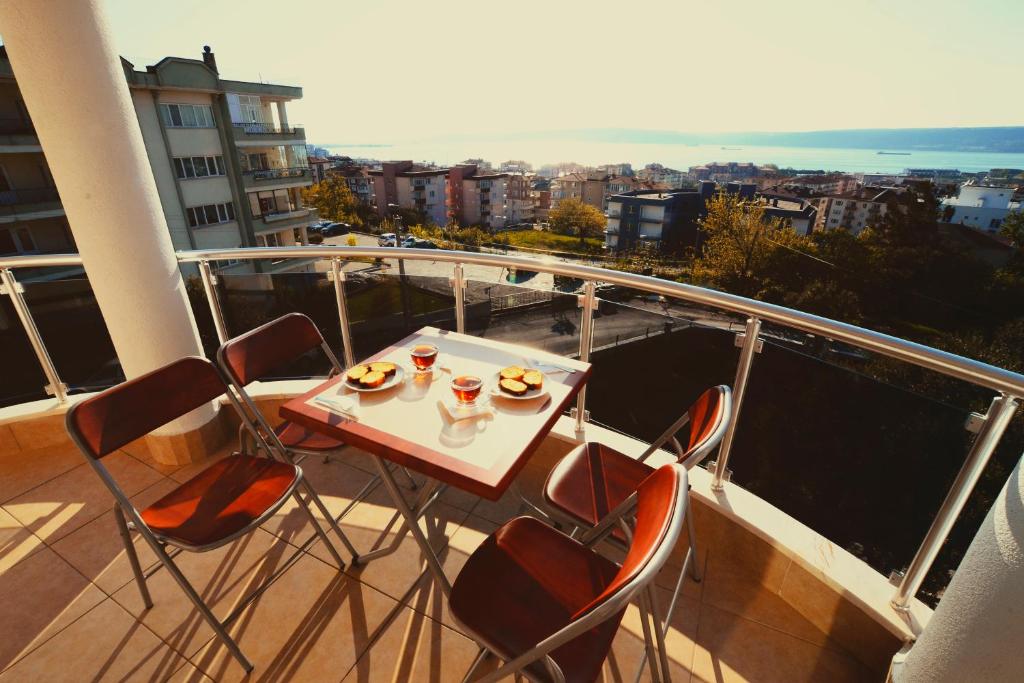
[332, 229]
[409, 241]
[424, 244]
[318, 226]
[388, 239]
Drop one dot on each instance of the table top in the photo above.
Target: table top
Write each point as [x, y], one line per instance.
[411, 425]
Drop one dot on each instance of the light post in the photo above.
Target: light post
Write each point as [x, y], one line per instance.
[396, 215]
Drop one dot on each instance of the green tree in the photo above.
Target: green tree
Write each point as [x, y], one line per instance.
[573, 217]
[334, 199]
[745, 252]
[1013, 229]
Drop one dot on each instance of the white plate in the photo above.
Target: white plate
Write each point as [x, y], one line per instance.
[391, 381]
[528, 396]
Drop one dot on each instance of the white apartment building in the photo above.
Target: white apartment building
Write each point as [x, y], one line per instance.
[228, 166]
[855, 210]
[983, 207]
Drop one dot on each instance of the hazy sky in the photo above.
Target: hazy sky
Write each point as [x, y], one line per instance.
[391, 71]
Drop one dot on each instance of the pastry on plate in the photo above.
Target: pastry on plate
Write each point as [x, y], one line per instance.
[534, 379]
[383, 366]
[513, 386]
[372, 379]
[512, 372]
[356, 373]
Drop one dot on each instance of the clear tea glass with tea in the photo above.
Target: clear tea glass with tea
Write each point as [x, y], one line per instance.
[423, 356]
[466, 388]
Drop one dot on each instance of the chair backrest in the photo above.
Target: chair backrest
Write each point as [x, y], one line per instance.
[660, 512]
[255, 354]
[709, 415]
[121, 414]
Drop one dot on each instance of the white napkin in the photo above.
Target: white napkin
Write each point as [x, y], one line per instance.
[346, 406]
[460, 411]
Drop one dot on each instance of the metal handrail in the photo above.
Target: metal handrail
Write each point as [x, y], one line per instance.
[966, 369]
[992, 425]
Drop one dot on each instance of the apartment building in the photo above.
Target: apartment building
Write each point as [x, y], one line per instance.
[657, 174]
[854, 210]
[983, 207]
[587, 188]
[476, 197]
[798, 213]
[32, 220]
[826, 184]
[400, 183]
[664, 221]
[520, 200]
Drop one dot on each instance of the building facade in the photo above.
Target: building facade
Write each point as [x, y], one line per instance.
[665, 221]
[401, 184]
[855, 210]
[588, 189]
[983, 207]
[520, 201]
[476, 197]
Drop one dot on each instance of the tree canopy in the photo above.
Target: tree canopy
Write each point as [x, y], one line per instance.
[335, 200]
[573, 217]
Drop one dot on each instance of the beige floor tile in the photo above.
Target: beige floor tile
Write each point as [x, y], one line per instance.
[189, 672]
[40, 595]
[396, 573]
[628, 646]
[335, 483]
[311, 625]
[96, 549]
[729, 588]
[8, 443]
[222, 577]
[61, 505]
[16, 542]
[106, 644]
[730, 648]
[413, 648]
[426, 597]
[24, 470]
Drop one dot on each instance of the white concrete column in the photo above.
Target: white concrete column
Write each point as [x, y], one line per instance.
[282, 114]
[75, 89]
[977, 631]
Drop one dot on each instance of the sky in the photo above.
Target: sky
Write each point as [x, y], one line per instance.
[381, 72]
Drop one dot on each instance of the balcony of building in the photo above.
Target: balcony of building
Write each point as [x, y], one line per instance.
[247, 134]
[831, 475]
[18, 134]
[258, 178]
[271, 166]
[29, 203]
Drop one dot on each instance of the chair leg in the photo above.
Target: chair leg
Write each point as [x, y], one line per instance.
[330, 520]
[649, 655]
[320, 531]
[477, 661]
[691, 532]
[212, 620]
[133, 557]
[659, 632]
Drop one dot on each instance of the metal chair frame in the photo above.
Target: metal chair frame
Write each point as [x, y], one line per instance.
[255, 422]
[129, 519]
[653, 628]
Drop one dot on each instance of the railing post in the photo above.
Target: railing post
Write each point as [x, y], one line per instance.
[338, 275]
[209, 286]
[459, 285]
[55, 388]
[588, 302]
[993, 424]
[751, 345]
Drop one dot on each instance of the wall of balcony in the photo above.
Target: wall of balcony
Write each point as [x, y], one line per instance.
[247, 134]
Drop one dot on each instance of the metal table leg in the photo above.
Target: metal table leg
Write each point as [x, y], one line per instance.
[412, 523]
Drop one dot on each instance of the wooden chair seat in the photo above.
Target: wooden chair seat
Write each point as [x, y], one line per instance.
[297, 437]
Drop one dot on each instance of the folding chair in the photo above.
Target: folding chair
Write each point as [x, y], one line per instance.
[223, 502]
[549, 605]
[260, 351]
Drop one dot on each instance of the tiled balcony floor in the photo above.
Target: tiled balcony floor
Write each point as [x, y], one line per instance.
[71, 610]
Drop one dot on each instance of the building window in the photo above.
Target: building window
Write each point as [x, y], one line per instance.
[187, 115]
[211, 214]
[271, 240]
[269, 203]
[198, 167]
[16, 241]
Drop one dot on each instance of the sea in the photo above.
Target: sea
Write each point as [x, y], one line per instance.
[679, 156]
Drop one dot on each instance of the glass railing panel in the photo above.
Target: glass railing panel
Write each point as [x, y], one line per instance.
[23, 379]
[672, 349]
[73, 330]
[385, 306]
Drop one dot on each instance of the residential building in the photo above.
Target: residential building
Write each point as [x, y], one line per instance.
[520, 200]
[826, 184]
[228, 166]
[983, 207]
[540, 190]
[855, 210]
[881, 179]
[617, 169]
[359, 180]
[318, 167]
[667, 221]
[32, 219]
[796, 212]
[724, 171]
[400, 183]
[476, 197]
[590, 189]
